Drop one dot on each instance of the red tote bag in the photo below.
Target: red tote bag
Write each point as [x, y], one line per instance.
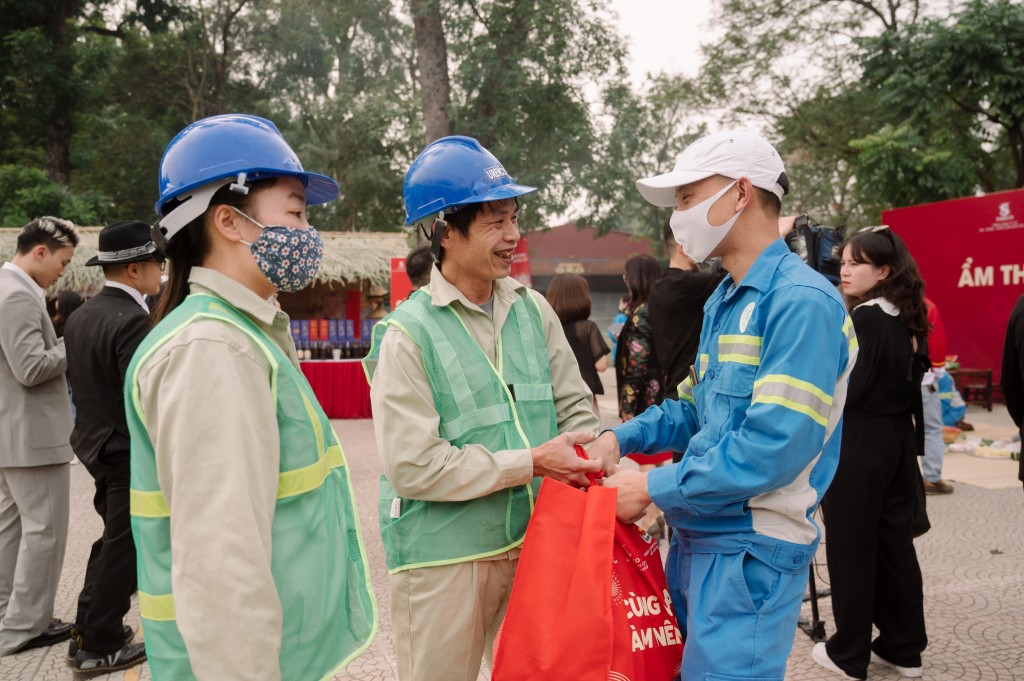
[589, 602]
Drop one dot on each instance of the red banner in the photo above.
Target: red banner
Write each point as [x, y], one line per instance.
[971, 255]
[401, 287]
[521, 264]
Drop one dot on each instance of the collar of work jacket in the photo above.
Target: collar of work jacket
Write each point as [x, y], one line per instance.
[205, 280]
[444, 293]
[759, 276]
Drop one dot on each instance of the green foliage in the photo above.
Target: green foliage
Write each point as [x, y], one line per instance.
[28, 193]
[900, 168]
[962, 79]
[520, 81]
[873, 103]
[646, 132]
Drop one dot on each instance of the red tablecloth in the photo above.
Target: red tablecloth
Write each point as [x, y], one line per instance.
[341, 387]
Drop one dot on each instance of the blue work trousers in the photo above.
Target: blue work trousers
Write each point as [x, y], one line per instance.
[737, 612]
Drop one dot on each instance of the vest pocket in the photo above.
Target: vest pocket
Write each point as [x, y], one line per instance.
[532, 392]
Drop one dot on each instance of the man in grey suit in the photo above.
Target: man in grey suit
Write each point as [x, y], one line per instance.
[35, 428]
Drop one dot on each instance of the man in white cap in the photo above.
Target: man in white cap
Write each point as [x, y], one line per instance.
[759, 416]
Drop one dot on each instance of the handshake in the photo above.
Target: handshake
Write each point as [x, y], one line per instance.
[557, 459]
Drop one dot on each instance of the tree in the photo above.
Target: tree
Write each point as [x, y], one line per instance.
[968, 71]
[646, 131]
[340, 88]
[522, 70]
[814, 139]
[771, 55]
[432, 62]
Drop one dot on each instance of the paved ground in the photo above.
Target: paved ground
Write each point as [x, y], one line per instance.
[973, 564]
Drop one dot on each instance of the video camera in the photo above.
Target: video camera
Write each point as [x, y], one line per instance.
[818, 246]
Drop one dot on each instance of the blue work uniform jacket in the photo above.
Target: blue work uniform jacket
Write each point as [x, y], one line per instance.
[762, 424]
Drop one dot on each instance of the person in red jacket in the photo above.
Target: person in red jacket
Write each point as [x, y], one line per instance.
[934, 447]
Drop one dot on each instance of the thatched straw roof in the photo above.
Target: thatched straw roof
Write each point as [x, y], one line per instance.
[348, 257]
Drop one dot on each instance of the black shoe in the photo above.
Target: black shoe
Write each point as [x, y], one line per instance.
[92, 664]
[56, 632]
[129, 636]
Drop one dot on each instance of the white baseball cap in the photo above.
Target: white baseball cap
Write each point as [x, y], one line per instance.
[731, 153]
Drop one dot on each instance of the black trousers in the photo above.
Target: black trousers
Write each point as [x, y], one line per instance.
[873, 569]
[110, 576]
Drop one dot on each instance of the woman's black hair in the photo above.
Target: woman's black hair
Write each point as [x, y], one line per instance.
[66, 303]
[641, 273]
[904, 286]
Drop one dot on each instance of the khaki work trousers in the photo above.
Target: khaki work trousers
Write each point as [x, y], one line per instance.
[445, 618]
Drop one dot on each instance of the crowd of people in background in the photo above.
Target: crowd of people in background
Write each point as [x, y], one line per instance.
[749, 390]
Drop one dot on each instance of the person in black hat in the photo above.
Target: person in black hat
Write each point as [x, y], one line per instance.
[101, 337]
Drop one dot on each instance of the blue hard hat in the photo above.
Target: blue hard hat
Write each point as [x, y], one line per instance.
[226, 146]
[454, 171]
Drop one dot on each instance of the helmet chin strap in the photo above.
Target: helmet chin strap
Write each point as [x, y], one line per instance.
[436, 232]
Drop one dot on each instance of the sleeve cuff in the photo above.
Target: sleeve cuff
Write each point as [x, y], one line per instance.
[663, 488]
[518, 467]
[630, 437]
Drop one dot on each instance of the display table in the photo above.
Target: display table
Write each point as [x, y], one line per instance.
[341, 387]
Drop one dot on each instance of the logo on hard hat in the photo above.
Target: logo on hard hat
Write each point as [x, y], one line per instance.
[495, 172]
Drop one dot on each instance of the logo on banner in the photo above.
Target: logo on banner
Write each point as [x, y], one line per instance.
[1004, 221]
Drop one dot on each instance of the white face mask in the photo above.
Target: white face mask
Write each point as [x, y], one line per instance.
[692, 230]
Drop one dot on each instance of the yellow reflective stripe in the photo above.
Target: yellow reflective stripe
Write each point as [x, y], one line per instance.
[156, 608]
[740, 349]
[704, 360]
[685, 390]
[790, 404]
[147, 504]
[850, 333]
[794, 394]
[308, 478]
[945, 396]
[740, 359]
[289, 484]
[796, 383]
[318, 428]
[742, 340]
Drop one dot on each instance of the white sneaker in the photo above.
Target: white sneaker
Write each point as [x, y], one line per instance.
[906, 672]
[820, 655]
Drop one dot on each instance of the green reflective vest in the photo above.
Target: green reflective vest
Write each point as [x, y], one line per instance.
[319, 564]
[508, 406]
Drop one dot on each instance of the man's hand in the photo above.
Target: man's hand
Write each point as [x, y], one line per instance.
[606, 450]
[556, 459]
[632, 499]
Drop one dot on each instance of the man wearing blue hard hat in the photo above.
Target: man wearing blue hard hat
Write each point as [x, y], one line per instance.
[476, 394]
[250, 559]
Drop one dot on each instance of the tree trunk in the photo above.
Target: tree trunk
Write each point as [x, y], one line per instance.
[59, 124]
[432, 60]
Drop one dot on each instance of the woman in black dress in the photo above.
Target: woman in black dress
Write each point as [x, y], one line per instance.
[870, 506]
[569, 295]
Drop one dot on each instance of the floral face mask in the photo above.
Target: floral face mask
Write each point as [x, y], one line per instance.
[289, 258]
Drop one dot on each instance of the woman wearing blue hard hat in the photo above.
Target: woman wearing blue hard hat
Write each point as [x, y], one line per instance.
[476, 394]
[251, 563]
